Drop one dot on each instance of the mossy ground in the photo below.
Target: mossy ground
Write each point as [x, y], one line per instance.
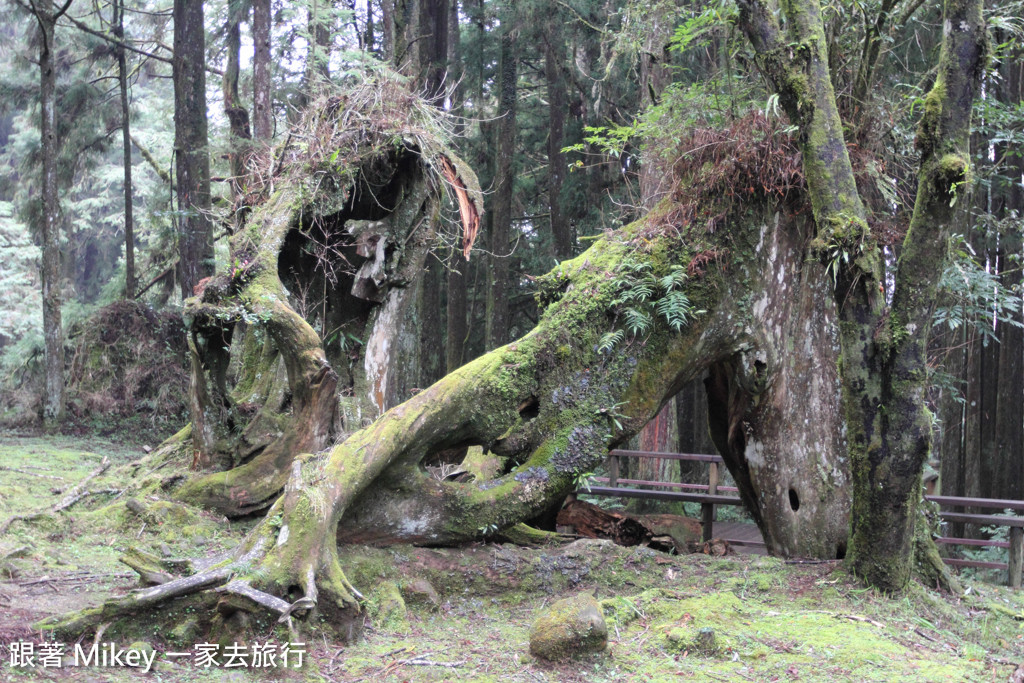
[771, 620]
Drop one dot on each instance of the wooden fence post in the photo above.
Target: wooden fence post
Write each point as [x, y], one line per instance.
[613, 470]
[707, 510]
[1016, 557]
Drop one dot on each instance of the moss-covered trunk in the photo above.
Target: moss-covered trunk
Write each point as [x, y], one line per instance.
[882, 366]
[887, 464]
[550, 405]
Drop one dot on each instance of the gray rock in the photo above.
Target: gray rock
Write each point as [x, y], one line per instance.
[571, 626]
[420, 592]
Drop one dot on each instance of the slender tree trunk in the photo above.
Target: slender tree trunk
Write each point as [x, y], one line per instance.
[457, 328]
[1009, 418]
[320, 23]
[458, 269]
[262, 111]
[497, 328]
[692, 419]
[554, 58]
[432, 354]
[126, 139]
[654, 76]
[238, 115]
[191, 146]
[433, 49]
[53, 332]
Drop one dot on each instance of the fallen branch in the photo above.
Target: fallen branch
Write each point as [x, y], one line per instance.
[76, 494]
[69, 501]
[421, 660]
[31, 474]
[854, 617]
[85, 576]
[430, 662]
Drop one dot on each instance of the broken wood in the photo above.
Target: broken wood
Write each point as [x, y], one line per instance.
[593, 522]
[666, 533]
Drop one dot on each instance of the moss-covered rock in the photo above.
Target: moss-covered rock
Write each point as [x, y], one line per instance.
[388, 608]
[420, 592]
[571, 626]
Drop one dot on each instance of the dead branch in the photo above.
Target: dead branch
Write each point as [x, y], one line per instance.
[866, 620]
[151, 160]
[31, 474]
[76, 494]
[67, 502]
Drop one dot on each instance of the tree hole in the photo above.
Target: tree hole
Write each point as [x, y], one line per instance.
[530, 408]
[794, 500]
[841, 551]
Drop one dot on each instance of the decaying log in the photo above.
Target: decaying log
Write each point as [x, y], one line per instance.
[668, 533]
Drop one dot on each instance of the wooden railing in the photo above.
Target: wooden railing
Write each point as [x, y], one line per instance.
[1015, 545]
[706, 494]
[709, 495]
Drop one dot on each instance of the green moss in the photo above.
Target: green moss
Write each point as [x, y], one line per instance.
[387, 608]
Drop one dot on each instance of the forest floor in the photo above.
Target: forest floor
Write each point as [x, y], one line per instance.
[772, 621]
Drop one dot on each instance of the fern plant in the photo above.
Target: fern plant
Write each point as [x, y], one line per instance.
[643, 297]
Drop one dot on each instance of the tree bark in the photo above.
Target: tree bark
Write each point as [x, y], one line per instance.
[432, 353]
[458, 268]
[370, 229]
[547, 406]
[191, 147]
[554, 58]
[319, 22]
[238, 115]
[262, 109]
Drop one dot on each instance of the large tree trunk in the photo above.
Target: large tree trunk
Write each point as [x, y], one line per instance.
[549, 406]
[883, 363]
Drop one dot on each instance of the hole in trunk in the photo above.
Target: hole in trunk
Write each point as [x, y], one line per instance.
[794, 500]
[445, 456]
[841, 551]
[530, 408]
